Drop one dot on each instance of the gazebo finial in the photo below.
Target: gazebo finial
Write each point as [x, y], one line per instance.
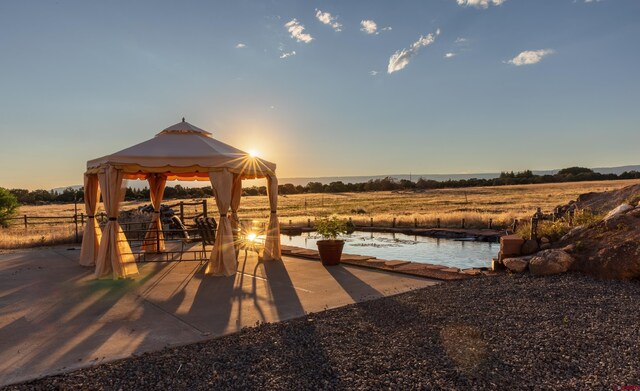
[182, 119]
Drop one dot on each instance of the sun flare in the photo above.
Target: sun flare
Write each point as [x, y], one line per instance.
[253, 152]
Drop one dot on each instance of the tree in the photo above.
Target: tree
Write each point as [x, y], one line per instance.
[575, 171]
[525, 174]
[8, 206]
[315, 187]
[287, 188]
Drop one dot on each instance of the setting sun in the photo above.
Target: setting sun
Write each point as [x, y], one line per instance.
[253, 153]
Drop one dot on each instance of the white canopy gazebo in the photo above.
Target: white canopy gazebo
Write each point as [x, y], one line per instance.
[179, 152]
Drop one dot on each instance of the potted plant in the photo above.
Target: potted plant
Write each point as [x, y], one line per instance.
[330, 248]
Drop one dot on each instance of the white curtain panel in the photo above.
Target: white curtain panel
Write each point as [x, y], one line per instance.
[154, 233]
[236, 194]
[114, 257]
[92, 235]
[272, 250]
[223, 260]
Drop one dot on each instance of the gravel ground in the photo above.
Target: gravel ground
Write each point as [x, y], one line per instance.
[507, 332]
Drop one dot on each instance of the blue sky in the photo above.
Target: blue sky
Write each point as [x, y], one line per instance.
[439, 86]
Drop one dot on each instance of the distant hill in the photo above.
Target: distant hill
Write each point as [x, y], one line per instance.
[438, 177]
[359, 179]
[74, 187]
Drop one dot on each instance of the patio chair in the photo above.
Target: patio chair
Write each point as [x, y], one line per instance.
[207, 228]
[178, 227]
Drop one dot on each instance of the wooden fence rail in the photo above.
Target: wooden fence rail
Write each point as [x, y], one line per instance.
[79, 220]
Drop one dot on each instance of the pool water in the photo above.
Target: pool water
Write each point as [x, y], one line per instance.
[448, 252]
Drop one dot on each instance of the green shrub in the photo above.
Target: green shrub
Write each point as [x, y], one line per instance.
[524, 230]
[8, 206]
[554, 230]
[330, 227]
[586, 217]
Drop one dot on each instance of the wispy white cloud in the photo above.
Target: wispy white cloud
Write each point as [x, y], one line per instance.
[373, 73]
[529, 57]
[449, 55]
[287, 54]
[327, 18]
[297, 31]
[241, 45]
[401, 58]
[461, 40]
[369, 27]
[479, 3]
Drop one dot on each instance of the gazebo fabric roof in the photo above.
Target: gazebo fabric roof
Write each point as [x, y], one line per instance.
[183, 151]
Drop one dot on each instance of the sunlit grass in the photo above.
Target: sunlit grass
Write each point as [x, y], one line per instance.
[43, 235]
[476, 205]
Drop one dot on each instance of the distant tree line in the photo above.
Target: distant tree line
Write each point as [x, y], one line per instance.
[571, 174]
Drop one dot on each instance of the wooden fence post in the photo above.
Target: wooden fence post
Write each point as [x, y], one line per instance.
[463, 222]
[75, 221]
[181, 211]
[394, 222]
[515, 225]
[490, 223]
[308, 220]
[415, 223]
[372, 222]
[204, 208]
[25, 221]
[438, 222]
[533, 235]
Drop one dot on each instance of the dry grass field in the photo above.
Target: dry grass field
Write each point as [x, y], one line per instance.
[476, 205]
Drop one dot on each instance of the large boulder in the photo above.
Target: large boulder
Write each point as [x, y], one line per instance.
[575, 231]
[619, 261]
[604, 202]
[549, 262]
[516, 265]
[529, 247]
[620, 209]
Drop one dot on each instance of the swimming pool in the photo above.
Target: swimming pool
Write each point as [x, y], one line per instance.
[449, 252]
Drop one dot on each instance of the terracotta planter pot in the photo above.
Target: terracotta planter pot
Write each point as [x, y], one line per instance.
[330, 251]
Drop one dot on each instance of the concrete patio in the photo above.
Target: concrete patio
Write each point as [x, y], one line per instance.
[55, 317]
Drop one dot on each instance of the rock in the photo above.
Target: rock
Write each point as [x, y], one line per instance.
[550, 262]
[510, 245]
[573, 232]
[516, 265]
[619, 261]
[496, 265]
[529, 247]
[395, 263]
[545, 246]
[472, 272]
[544, 240]
[620, 209]
[569, 248]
